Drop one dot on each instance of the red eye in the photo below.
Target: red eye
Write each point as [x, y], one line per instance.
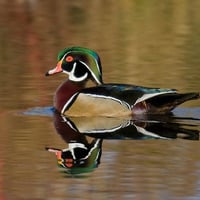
[69, 58]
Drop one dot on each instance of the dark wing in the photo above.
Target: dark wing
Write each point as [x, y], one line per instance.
[130, 94]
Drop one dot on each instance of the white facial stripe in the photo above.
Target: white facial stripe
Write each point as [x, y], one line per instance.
[98, 66]
[72, 76]
[93, 75]
[64, 56]
[76, 79]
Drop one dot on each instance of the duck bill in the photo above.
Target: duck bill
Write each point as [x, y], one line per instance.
[55, 70]
[57, 152]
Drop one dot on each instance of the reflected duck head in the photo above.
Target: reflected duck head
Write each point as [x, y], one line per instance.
[78, 158]
[80, 64]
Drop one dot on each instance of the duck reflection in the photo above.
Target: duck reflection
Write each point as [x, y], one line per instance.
[155, 127]
[83, 153]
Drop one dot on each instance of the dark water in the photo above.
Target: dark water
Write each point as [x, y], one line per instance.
[146, 43]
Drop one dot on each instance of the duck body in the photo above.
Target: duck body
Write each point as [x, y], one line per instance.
[115, 100]
[73, 98]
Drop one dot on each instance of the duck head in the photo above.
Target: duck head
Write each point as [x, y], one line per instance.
[80, 64]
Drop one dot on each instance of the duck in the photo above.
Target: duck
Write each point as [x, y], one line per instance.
[75, 98]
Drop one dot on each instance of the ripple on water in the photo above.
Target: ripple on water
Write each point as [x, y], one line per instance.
[40, 111]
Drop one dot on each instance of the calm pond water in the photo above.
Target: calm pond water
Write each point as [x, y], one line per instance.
[150, 43]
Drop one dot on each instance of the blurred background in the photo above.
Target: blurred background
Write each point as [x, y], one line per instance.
[150, 43]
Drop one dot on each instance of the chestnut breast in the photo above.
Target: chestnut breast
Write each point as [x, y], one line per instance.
[64, 92]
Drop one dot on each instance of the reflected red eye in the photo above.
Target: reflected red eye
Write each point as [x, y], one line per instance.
[69, 58]
[69, 162]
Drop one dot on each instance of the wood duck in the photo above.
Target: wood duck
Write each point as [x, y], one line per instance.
[73, 98]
